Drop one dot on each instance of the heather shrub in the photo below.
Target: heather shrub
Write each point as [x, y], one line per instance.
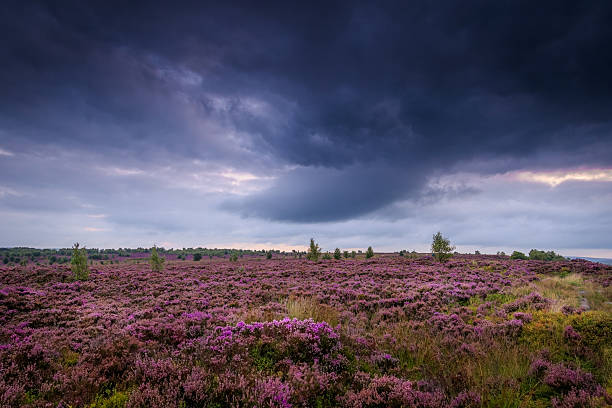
[314, 252]
[78, 263]
[157, 262]
[441, 248]
[369, 253]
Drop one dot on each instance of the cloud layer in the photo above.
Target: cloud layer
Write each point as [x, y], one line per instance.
[201, 120]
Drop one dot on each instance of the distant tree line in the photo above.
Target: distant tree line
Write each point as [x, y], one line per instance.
[537, 255]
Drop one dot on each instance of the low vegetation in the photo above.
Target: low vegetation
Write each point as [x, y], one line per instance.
[388, 331]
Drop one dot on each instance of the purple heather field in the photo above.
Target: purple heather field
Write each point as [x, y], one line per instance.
[388, 331]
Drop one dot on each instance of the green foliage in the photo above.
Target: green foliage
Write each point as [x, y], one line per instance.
[110, 399]
[337, 254]
[534, 254]
[327, 256]
[233, 257]
[197, 256]
[477, 252]
[518, 255]
[369, 252]
[78, 264]
[346, 254]
[353, 254]
[314, 252]
[441, 247]
[157, 262]
[269, 254]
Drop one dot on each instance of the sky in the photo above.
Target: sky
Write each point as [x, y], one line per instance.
[260, 125]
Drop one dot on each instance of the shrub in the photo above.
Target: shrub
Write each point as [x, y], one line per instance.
[233, 257]
[78, 264]
[269, 254]
[369, 252]
[545, 256]
[353, 254]
[346, 254]
[157, 262]
[337, 254]
[518, 255]
[441, 248]
[327, 256]
[314, 252]
[197, 257]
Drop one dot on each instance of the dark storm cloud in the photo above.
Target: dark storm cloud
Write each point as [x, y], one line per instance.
[367, 101]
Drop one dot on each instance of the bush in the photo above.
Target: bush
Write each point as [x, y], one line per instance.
[269, 254]
[327, 256]
[518, 255]
[353, 254]
[157, 262]
[233, 257]
[545, 256]
[369, 252]
[346, 254]
[337, 254]
[441, 248]
[78, 264]
[314, 252]
[197, 257]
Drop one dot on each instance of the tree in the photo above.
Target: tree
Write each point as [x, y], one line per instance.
[353, 254]
[327, 255]
[197, 257]
[314, 252]
[518, 255]
[346, 254]
[78, 263]
[337, 254]
[441, 248]
[157, 262]
[369, 252]
[269, 254]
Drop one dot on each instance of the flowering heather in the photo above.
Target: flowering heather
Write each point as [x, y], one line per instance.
[386, 331]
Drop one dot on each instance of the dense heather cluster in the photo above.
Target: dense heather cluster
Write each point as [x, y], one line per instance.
[386, 331]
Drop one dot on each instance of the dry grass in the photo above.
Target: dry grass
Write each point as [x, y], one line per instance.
[308, 308]
[569, 290]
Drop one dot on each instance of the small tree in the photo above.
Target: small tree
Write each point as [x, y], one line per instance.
[327, 255]
[78, 263]
[314, 252]
[369, 252]
[197, 257]
[337, 254]
[157, 262]
[441, 248]
[353, 254]
[346, 254]
[269, 254]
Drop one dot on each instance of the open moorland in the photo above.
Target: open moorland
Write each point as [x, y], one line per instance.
[388, 331]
